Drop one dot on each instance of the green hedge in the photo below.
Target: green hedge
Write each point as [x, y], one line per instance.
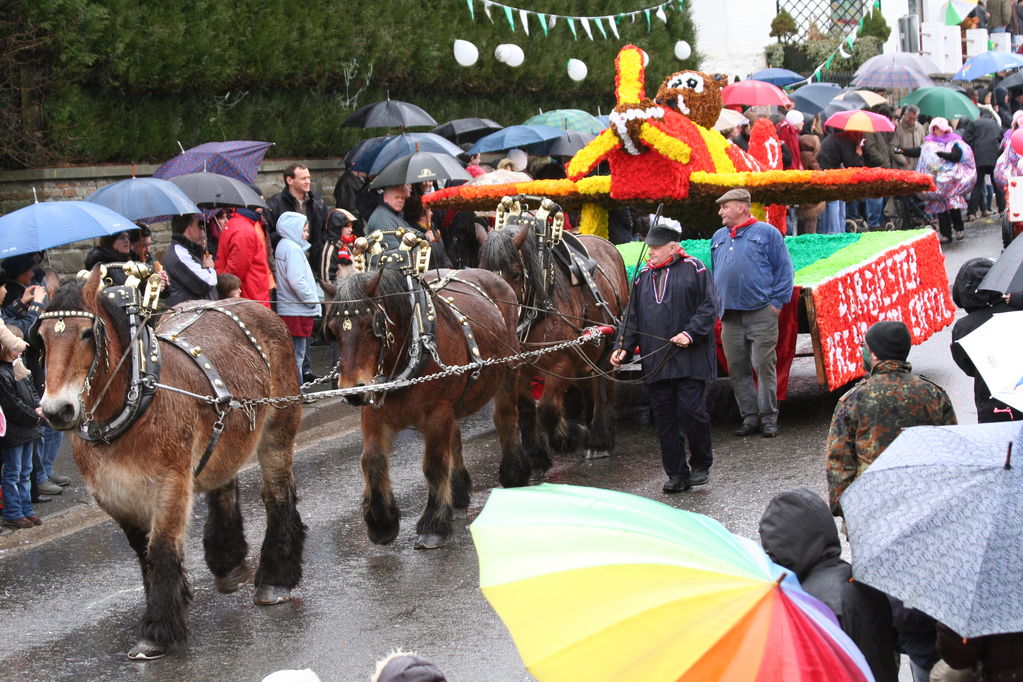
[120, 80]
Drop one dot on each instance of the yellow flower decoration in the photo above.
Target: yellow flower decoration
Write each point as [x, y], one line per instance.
[592, 154]
[596, 184]
[665, 144]
[629, 86]
[593, 220]
[716, 145]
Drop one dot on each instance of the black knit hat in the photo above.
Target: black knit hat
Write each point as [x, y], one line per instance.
[16, 265]
[889, 340]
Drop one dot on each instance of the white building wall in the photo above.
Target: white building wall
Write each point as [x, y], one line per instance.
[892, 10]
[732, 34]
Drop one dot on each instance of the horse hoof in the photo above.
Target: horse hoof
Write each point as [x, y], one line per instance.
[238, 576]
[431, 540]
[267, 595]
[597, 454]
[144, 650]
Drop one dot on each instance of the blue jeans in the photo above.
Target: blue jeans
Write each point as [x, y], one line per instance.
[47, 448]
[17, 480]
[301, 344]
[875, 212]
[832, 221]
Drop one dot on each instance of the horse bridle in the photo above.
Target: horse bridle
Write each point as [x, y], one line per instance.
[98, 339]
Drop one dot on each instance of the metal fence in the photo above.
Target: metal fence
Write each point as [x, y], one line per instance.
[831, 17]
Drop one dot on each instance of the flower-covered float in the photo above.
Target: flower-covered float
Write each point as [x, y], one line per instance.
[845, 283]
[666, 151]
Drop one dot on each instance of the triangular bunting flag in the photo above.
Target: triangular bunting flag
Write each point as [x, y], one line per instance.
[827, 64]
[543, 23]
[646, 13]
[600, 26]
[524, 18]
[553, 21]
[486, 10]
[850, 40]
[612, 23]
[472, 10]
[511, 17]
[842, 53]
[586, 27]
[571, 27]
[661, 15]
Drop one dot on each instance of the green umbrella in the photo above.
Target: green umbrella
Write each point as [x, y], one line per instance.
[568, 119]
[939, 101]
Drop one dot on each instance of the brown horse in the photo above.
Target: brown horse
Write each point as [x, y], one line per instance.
[562, 309]
[145, 477]
[371, 320]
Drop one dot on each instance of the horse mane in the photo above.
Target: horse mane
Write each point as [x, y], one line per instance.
[498, 253]
[391, 294]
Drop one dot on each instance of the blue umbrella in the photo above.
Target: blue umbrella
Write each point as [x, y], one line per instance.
[837, 105]
[139, 198]
[935, 521]
[238, 159]
[44, 225]
[374, 158]
[987, 63]
[779, 77]
[605, 120]
[362, 146]
[811, 99]
[536, 139]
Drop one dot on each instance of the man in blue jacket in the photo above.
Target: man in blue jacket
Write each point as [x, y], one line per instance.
[753, 274]
[671, 319]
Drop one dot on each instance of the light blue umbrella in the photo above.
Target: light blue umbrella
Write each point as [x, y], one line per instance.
[46, 224]
[374, 158]
[936, 522]
[779, 77]
[535, 139]
[139, 198]
[987, 63]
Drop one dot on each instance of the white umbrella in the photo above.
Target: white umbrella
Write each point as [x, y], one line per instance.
[729, 118]
[994, 349]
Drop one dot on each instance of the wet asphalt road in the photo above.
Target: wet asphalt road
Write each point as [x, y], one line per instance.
[69, 606]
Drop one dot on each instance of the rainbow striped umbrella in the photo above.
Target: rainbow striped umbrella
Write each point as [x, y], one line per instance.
[860, 121]
[601, 585]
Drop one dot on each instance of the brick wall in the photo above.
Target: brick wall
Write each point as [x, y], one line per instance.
[20, 188]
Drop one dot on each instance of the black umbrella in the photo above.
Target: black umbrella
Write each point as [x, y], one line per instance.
[1013, 80]
[420, 167]
[812, 98]
[1006, 275]
[570, 143]
[389, 114]
[212, 190]
[466, 129]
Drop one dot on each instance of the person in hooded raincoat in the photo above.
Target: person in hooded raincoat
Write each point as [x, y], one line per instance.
[298, 294]
[949, 160]
[798, 532]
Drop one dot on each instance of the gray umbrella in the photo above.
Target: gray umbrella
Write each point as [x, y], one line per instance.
[420, 167]
[212, 190]
[1006, 275]
[935, 521]
[570, 143]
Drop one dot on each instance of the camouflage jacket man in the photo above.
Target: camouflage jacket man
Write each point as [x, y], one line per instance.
[870, 415]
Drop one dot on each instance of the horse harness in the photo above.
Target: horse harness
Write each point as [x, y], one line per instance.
[553, 245]
[174, 332]
[145, 355]
[411, 258]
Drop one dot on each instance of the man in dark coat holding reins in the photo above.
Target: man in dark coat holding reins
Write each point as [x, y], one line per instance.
[671, 319]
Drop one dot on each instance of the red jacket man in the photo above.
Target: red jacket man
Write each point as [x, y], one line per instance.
[242, 253]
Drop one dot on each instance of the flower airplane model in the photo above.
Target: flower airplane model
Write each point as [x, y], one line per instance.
[666, 150]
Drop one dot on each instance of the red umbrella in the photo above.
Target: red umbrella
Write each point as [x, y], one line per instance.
[754, 93]
[861, 121]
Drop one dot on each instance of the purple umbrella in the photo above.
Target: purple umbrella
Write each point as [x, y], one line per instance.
[238, 159]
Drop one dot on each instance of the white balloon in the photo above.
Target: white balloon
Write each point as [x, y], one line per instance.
[646, 58]
[499, 53]
[466, 53]
[513, 54]
[795, 118]
[576, 69]
[682, 50]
